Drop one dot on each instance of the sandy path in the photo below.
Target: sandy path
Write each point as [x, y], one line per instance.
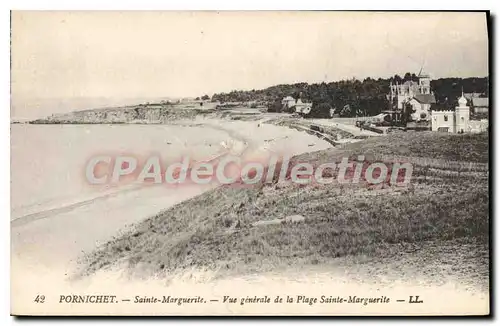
[45, 248]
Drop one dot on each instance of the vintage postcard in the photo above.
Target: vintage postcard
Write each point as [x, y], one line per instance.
[315, 163]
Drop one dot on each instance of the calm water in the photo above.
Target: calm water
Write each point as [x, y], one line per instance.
[48, 161]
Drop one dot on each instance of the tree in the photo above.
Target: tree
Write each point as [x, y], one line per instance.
[366, 97]
[274, 106]
[407, 111]
[321, 110]
[205, 97]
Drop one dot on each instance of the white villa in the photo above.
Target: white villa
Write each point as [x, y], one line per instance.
[458, 120]
[290, 104]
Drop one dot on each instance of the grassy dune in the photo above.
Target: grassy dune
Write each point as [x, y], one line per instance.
[450, 147]
[445, 204]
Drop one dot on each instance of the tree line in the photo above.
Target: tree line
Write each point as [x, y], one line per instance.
[354, 97]
[202, 98]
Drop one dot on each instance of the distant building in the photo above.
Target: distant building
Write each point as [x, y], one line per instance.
[415, 95]
[291, 105]
[454, 121]
[470, 96]
[480, 104]
[288, 102]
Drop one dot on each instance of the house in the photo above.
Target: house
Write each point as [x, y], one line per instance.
[470, 96]
[303, 108]
[421, 106]
[416, 96]
[480, 104]
[288, 102]
[291, 105]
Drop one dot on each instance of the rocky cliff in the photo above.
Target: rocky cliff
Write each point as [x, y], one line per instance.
[133, 114]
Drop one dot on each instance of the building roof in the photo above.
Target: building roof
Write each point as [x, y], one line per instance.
[480, 102]
[462, 101]
[425, 98]
[470, 96]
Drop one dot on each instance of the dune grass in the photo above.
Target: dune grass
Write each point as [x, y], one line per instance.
[441, 146]
[214, 230]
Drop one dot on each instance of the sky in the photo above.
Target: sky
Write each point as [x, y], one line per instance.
[115, 55]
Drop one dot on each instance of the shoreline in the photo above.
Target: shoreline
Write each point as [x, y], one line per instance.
[199, 280]
[50, 246]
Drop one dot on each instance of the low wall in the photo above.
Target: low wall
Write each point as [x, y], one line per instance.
[349, 121]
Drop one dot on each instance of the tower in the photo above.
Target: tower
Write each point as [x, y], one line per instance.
[424, 83]
[462, 115]
[401, 95]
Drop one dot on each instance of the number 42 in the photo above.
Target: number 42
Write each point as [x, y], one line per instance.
[40, 299]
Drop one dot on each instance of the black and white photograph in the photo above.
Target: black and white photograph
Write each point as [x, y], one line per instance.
[250, 163]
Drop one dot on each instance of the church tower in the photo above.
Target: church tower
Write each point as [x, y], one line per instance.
[424, 83]
[462, 115]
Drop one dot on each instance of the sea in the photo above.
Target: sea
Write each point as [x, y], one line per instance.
[48, 161]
